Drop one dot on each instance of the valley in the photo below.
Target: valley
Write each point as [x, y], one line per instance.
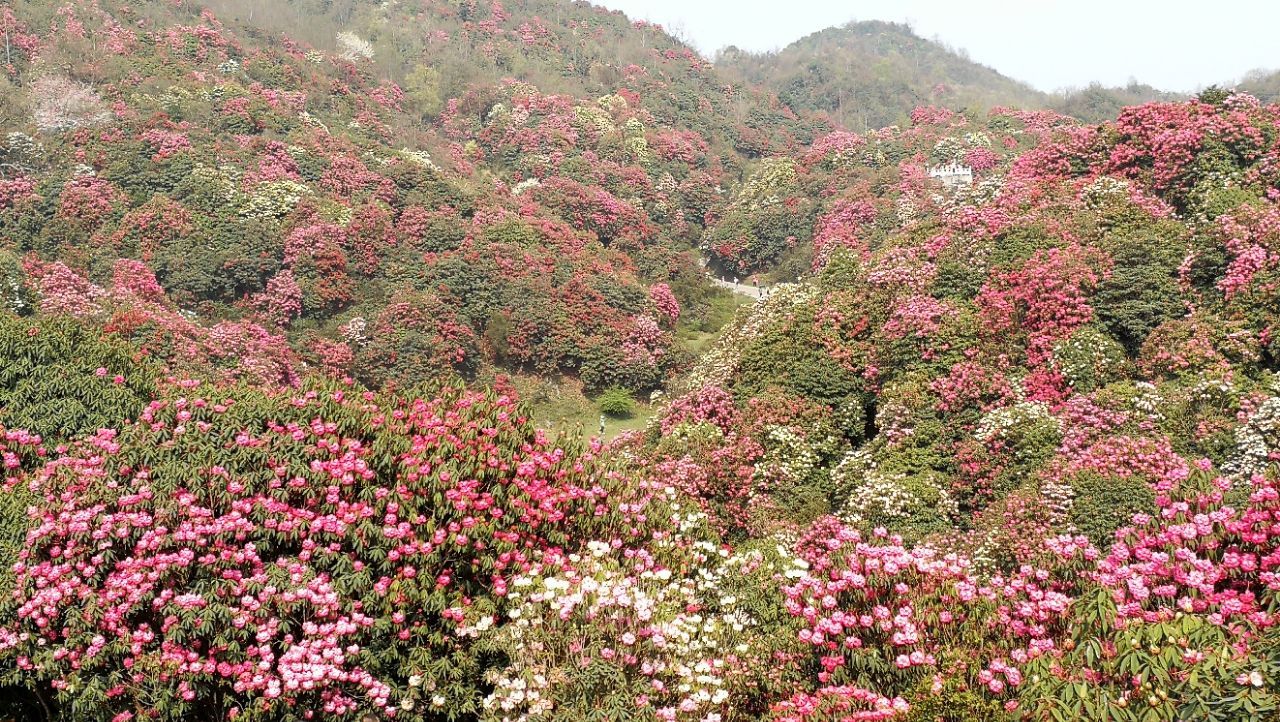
[454, 360]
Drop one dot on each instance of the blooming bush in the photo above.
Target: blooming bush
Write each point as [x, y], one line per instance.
[678, 633]
[307, 566]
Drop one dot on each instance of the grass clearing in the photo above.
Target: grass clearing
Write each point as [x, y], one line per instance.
[560, 406]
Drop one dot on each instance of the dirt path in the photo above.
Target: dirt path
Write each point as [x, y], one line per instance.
[750, 290]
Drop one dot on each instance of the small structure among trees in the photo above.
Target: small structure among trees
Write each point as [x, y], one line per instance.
[953, 175]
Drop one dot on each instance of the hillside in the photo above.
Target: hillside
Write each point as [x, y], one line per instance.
[396, 199]
[1097, 104]
[438, 49]
[288, 290]
[1065, 374]
[870, 74]
[1263, 84]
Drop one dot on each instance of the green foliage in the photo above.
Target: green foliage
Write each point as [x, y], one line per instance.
[958, 280]
[605, 366]
[1018, 244]
[15, 295]
[789, 356]
[1098, 104]
[1142, 291]
[50, 383]
[1140, 673]
[1213, 200]
[704, 308]
[1089, 359]
[1104, 503]
[769, 214]
[513, 233]
[617, 402]
[1199, 414]
[14, 523]
[1214, 95]
[955, 703]
[422, 88]
[872, 74]
[135, 173]
[1028, 436]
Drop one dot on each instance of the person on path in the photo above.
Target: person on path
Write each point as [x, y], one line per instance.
[602, 424]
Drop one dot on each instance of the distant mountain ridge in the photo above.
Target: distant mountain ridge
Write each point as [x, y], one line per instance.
[871, 74]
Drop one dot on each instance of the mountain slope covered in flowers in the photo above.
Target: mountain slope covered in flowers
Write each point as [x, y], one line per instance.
[341, 206]
[1004, 450]
[1059, 382]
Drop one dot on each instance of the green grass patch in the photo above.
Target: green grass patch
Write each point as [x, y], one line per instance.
[560, 406]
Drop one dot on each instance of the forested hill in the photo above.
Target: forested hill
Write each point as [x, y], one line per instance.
[379, 189]
[440, 49]
[871, 74]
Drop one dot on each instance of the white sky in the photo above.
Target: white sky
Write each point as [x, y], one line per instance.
[1172, 44]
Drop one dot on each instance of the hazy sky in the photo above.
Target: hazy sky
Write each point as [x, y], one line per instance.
[1052, 44]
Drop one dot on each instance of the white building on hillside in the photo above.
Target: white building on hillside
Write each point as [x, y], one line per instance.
[952, 175]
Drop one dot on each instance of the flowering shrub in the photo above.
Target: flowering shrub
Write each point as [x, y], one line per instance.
[665, 302]
[64, 104]
[301, 571]
[766, 216]
[1045, 299]
[255, 162]
[1176, 586]
[416, 338]
[873, 606]
[675, 634]
[1026, 370]
[1088, 359]
[282, 299]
